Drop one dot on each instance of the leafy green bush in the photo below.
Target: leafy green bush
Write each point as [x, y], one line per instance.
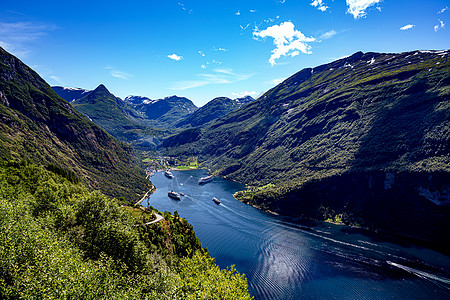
[59, 241]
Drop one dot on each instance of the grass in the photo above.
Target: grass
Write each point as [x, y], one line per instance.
[191, 163]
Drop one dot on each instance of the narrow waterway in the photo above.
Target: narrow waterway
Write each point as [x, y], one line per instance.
[288, 259]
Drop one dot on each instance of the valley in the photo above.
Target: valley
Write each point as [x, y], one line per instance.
[362, 141]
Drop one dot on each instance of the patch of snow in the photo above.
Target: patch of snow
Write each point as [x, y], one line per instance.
[372, 61]
[348, 65]
[73, 89]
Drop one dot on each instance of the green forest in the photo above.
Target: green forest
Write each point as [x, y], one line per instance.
[61, 241]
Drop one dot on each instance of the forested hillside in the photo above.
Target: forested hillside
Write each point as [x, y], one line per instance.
[382, 117]
[59, 241]
[36, 124]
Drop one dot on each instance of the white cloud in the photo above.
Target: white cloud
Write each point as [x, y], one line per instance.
[287, 40]
[203, 67]
[201, 53]
[217, 76]
[244, 28]
[358, 7]
[16, 37]
[319, 5]
[238, 13]
[245, 93]
[184, 8]
[175, 57]
[328, 34]
[406, 27]
[276, 81]
[56, 78]
[117, 73]
[219, 49]
[252, 10]
[441, 25]
[443, 10]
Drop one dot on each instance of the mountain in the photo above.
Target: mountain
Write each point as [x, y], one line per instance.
[162, 113]
[212, 110]
[364, 139]
[68, 93]
[136, 100]
[38, 125]
[114, 115]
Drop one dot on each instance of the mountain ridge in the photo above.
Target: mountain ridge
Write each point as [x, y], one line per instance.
[382, 116]
[37, 124]
[212, 110]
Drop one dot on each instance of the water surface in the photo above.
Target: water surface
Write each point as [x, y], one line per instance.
[291, 259]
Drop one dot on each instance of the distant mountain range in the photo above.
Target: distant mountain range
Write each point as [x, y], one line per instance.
[213, 110]
[366, 137]
[364, 140]
[141, 121]
[38, 125]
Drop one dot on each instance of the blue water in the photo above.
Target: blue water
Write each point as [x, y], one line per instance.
[290, 259]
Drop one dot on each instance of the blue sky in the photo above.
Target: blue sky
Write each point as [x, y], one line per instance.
[205, 49]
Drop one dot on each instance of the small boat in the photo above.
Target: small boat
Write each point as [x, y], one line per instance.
[168, 174]
[216, 201]
[206, 179]
[174, 195]
[182, 194]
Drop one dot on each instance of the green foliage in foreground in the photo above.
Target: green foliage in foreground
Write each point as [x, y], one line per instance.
[59, 241]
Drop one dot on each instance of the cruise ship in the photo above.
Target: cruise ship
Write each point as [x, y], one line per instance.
[174, 195]
[168, 174]
[206, 179]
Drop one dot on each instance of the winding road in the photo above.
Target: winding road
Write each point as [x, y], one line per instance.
[158, 218]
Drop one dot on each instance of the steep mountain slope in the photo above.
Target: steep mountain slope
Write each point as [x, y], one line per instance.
[113, 115]
[68, 93]
[37, 124]
[162, 113]
[212, 110]
[355, 122]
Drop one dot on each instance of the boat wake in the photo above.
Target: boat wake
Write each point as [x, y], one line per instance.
[442, 282]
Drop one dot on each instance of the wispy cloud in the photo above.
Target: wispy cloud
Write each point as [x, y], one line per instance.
[319, 5]
[16, 37]
[244, 27]
[175, 57]
[276, 81]
[407, 27]
[201, 53]
[287, 40]
[183, 7]
[443, 10]
[118, 73]
[219, 49]
[328, 34]
[56, 79]
[252, 10]
[441, 25]
[217, 76]
[358, 8]
[238, 13]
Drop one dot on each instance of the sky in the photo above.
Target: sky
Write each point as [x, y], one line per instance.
[206, 49]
